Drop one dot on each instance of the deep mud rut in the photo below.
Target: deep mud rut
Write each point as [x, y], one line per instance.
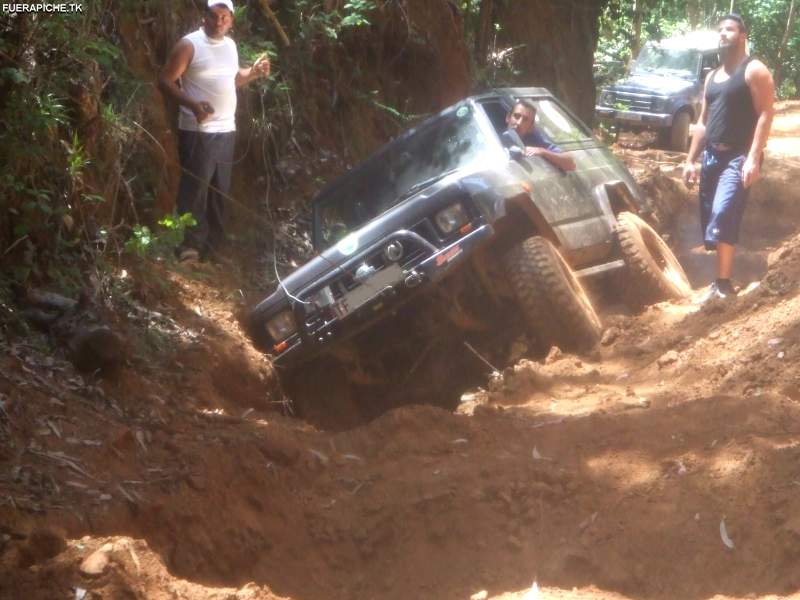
[664, 465]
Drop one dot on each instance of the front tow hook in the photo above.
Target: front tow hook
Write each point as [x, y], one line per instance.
[413, 279]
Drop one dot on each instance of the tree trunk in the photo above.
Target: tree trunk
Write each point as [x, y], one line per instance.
[484, 32]
[554, 46]
[784, 42]
[693, 12]
[709, 11]
[636, 42]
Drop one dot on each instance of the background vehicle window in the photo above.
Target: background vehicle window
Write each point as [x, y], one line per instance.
[667, 61]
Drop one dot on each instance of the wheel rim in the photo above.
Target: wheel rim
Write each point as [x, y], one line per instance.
[577, 290]
[665, 260]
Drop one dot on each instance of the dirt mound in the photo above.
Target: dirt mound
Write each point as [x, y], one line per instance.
[119, 567]
[658, 174]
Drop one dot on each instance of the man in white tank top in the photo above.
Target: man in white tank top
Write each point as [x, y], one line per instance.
[206, 64]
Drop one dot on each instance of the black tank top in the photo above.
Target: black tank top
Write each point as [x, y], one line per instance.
[731, 115]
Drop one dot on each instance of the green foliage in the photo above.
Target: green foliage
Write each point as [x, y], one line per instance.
[77, 160]
[401, 117]
[355, 12]
[61, 155]
[145, 243]
[103, 52]
[312, 20]
[13, 75]
[250, 49]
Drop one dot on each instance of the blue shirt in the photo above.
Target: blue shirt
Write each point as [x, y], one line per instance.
[537, 139]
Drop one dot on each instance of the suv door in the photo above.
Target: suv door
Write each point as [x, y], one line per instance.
[565, 199]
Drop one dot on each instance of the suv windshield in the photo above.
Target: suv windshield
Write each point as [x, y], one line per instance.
[410, 163]
[667, 61]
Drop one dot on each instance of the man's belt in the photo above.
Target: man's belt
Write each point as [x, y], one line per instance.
[721, 147]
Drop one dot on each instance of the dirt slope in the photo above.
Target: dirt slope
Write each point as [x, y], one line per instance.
[602, 476]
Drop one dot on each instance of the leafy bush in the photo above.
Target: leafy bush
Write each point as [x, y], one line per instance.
[146, 243]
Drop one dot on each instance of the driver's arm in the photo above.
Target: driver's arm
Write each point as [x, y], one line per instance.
[563, 161]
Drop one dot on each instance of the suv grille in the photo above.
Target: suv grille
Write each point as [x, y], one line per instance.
[426, 230]
[345, 282]
[632, 101]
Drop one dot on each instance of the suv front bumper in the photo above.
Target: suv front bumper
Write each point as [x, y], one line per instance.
[632, 117]
[388, 297]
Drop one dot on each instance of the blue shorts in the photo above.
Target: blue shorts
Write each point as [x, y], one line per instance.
[723, 197]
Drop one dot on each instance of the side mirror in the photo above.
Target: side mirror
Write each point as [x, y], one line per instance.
[513, 142]
[516, 152]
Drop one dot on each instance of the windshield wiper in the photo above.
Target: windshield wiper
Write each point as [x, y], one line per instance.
[425, 183]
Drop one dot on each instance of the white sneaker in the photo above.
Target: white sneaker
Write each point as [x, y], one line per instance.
[716, 293]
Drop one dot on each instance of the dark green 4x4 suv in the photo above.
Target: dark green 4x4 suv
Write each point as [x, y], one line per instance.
[450, 195]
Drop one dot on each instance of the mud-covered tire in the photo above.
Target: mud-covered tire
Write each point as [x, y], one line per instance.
[553, 302]
[652, 272]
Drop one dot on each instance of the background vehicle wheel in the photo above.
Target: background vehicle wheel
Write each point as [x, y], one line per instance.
[653, 272]
[679, 132]
[554, 303]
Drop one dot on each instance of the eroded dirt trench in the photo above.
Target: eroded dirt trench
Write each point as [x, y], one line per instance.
[664, 465]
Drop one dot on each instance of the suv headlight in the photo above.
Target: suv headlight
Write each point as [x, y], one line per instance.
[282, 325]
[451, 218]
[606, 98]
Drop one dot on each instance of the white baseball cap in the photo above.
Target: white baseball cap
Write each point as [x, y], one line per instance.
[226, 3]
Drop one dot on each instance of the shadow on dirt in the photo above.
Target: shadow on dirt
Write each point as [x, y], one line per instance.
[629, 503]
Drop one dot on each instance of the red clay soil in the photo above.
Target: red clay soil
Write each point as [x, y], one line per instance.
[664, 465]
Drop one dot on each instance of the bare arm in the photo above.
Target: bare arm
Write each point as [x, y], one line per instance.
[562, 161]
[698, 138]
[762, 90]
[178, 61]
[261, 68]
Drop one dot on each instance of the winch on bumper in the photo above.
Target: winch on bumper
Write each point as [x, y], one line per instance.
[325, 313]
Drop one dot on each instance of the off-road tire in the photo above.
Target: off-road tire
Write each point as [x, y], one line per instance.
[553, 302]
[653, 272]
[255, 324]
[678, 139]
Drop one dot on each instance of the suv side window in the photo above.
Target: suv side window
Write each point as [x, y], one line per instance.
[496, 112]
[550, 119]
[557, 124]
